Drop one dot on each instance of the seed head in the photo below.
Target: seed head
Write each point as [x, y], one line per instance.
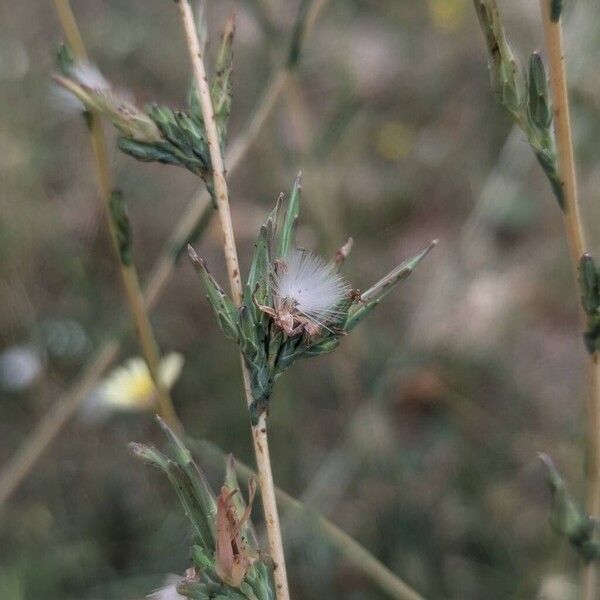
[311, 286]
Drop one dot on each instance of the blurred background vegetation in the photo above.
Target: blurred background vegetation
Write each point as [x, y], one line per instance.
[419, 435]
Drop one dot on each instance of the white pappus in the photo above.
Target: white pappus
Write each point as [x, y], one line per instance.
[308, 291]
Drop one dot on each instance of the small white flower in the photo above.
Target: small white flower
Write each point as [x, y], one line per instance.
[312, 286]
[130, 387]
[20, 366]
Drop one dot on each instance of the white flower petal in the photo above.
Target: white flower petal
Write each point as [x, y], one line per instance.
[130, 387]
[170, 369]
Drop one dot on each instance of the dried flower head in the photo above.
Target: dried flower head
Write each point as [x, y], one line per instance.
[295, 303]
[307, 292]
[233, 555]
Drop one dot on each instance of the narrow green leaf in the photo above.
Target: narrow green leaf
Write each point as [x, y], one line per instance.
[183, 487]
[540, 111]
[287, 235]
[298, 34]
[589, 280]
[204, 493]
[225, 309]
[371, 298]
[65, 61]
[122, 225]
[222, 86]
[565, 517]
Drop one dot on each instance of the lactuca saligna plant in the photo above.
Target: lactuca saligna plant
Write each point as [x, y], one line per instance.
[225, 557]
[296, 305]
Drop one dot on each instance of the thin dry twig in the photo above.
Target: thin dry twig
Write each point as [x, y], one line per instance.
[129, 276]
[259, 430]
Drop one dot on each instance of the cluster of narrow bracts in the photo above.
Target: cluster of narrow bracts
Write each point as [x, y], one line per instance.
[296, 304]
[523, 94]
[157, 133]
[226, 561]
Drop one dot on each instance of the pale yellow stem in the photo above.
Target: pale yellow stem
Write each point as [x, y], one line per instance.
[129, 277]
[577, 246]
[259, 430]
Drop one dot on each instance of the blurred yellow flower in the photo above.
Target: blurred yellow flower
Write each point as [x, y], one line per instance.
[448, 15]
[393, 141]
[130, 387]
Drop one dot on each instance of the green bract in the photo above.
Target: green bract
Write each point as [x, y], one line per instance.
[589, 281]
[523, 94]
[267, 349]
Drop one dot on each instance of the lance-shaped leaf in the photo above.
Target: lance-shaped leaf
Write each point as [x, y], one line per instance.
[298, 34]
[227, 313]
[122, 225]
[149, 152]
[540, 111]
[221, 88]
[589, 281]
[183, 457]
[250, 338]
[565, 517]
[329, 344]
[287, 234]
[257, 286]
[506, 76]
[184, 488]
[65, 61]
[371, 298]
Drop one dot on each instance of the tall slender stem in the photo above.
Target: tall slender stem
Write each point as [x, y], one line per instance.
[577, 246]
[129, 276]
[259, 431]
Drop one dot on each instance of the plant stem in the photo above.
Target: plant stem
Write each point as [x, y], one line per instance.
[347, 546]
[577, 246]
[259, 431]
[129, 276]
[51, 424]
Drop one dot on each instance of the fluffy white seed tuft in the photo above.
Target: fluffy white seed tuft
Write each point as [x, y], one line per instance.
[314, 286]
